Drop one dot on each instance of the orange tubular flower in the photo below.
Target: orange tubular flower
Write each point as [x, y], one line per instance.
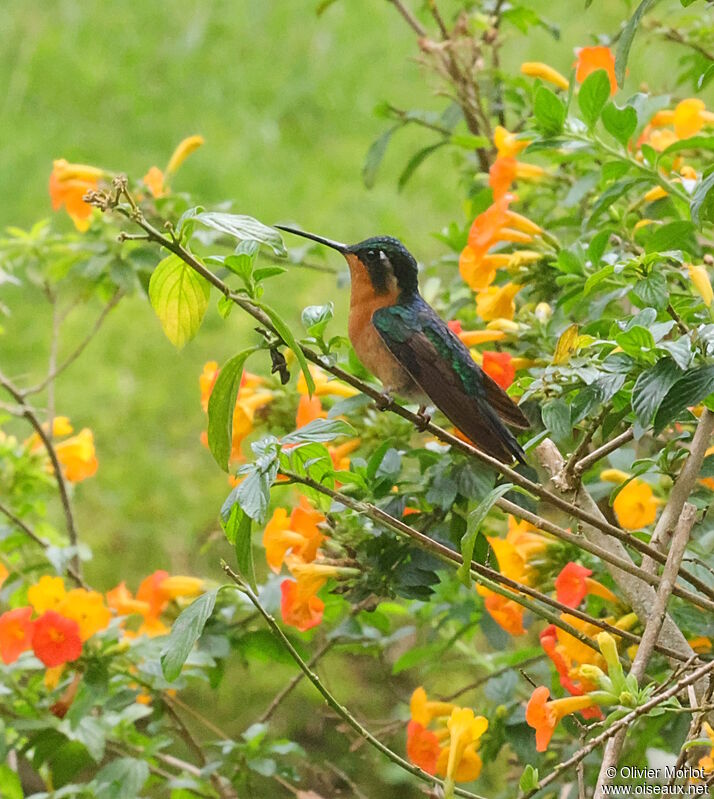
[507, 613]
[298, 535]
[206, 381]
[300, 605]
[121, 600]
[544, 715]
[3, 573]
[537, 69]
[499, 368]
[573, 584]
[149, 591]
[87, 608]
[505, 170]
[56, 639]
[690, 116]
[16, 631]
[60, 427]
[47, 593]
[77, 456]
[471, 338]
[590, 59]
[309, 409]
[68, 185]
[340, 453]
[422, 747]
[701, 282]
[154, 182]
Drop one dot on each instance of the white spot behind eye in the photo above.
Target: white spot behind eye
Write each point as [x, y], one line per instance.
[383, 258]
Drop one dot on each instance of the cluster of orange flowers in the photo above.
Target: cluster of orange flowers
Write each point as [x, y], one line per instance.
[70, 182]
[516, 555]
[76, 454]
[451, 749]
[57, 622]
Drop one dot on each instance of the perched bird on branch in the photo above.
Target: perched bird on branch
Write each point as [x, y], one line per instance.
[401, 339]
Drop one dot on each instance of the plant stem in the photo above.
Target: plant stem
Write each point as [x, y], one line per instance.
[340, 709]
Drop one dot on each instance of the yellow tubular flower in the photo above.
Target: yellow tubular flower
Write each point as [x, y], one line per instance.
[47, 593]
[636, 506]
[700, 278]
[496, 302]
[324, 386]
[506, 325]
[523, 223]
[424, 710]
[473, 337]
[181, 585]
[182, 152]
[688, 119]
[537, 69]
[465, 729]
[507, 144]
[656, 193]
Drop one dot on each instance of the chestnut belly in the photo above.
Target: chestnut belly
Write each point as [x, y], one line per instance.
[376, 357]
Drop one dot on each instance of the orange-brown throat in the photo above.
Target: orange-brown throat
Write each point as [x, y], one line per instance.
[363, 293]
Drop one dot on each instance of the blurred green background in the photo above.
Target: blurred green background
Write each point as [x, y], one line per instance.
[285, 101]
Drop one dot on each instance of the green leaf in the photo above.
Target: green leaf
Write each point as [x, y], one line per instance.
[691, 389]
[652, 290]
[620, 123]
[628, 34]
[265, 272]
[692, 143]
[243, 228]
[593, 95]
[312, 460]
[416, 161]
[651, 388]
[636, 341]
[556, 418]
[474, 522]
[319, 430]
[672, 236]
[238, 530]
[225, 306]
[469, 142]
[179, 295]
[287, 336]
[185, 632]
[220, 408]
[529, 779]
[315, 318]
[375, 154]
[611, 194]
[10, 783]
[122, 778]
[549, 111]
[702, 201]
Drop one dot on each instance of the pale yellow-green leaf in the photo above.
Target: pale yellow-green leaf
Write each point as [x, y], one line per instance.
[567, 344]
[179, 295]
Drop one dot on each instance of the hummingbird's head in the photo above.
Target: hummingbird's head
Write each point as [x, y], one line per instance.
[384, 260]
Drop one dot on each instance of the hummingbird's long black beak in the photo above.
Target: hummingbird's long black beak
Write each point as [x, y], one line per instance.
[335, 245]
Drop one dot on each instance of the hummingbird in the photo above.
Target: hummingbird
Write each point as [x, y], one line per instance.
[401, 339]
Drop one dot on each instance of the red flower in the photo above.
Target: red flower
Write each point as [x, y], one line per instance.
[15, 633]
[422, 747]
[499, 368]
[570, 585]
[56, 639]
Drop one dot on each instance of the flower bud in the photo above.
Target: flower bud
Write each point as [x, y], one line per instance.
[543, 312]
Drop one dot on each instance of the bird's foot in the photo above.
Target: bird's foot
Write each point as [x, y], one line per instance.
[424, 418]
[384, 401]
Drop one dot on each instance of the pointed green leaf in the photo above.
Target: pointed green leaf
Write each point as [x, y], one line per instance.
[185, 632]
[238, 530]
[243, 228]
[619, 122]
[628, 34]
[220, 408]
[691, 389]
[549, 111]
[593, 95]
[652, 387]
[179, 295]
[474, 522]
